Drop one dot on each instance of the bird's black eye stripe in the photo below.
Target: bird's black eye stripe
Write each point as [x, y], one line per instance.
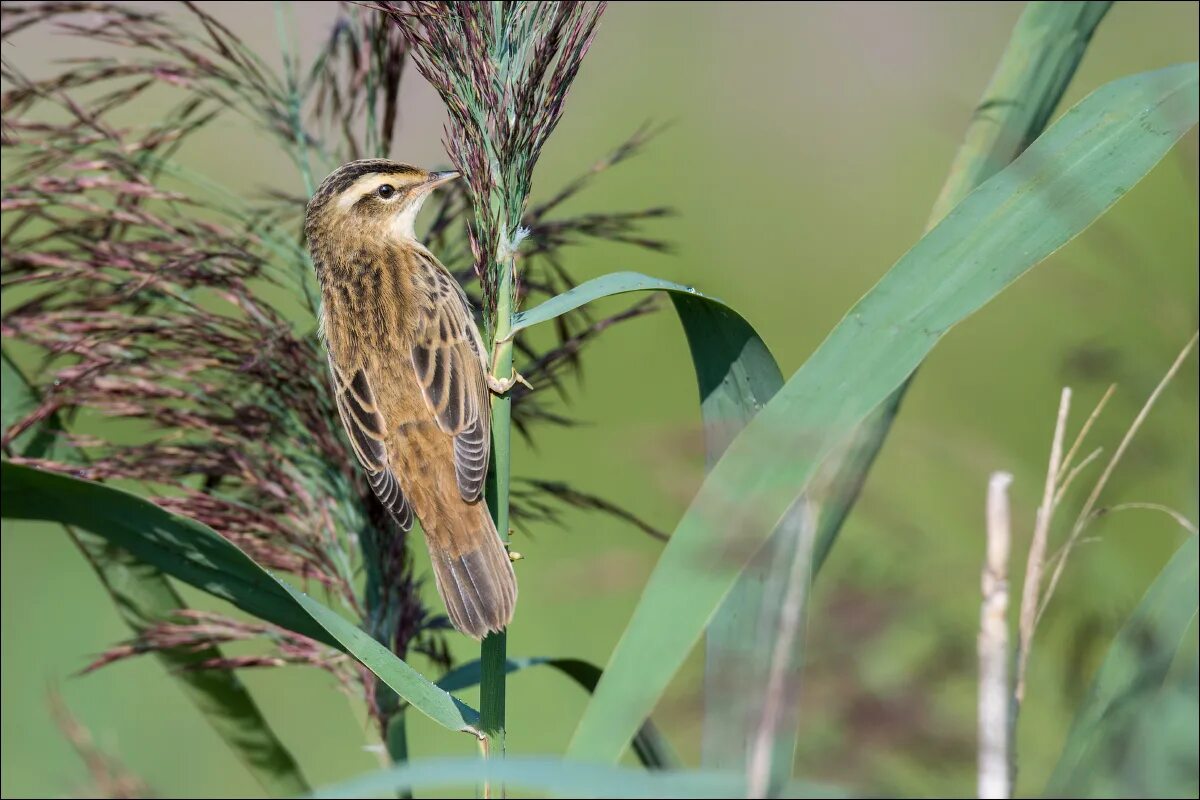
[386, 190]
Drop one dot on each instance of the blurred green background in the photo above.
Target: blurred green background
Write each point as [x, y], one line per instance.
[805, 146]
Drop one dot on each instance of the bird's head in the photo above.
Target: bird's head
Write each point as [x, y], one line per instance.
[372, 197]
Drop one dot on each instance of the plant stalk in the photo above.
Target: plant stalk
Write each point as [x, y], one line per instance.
[994, 778]
[493, 654]
[397, 743]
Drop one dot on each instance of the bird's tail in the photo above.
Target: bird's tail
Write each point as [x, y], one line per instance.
[474, 574]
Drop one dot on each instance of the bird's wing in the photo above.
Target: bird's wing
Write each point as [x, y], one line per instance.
[447, 355]
[365, 425]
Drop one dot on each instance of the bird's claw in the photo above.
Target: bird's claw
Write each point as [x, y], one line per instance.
[503, 385]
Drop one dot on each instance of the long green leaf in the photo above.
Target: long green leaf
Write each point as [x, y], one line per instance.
[736, 376]
[1045, 49]
[1041, 58]
[651, 748]
[556, 778]
[197, 555]
[1126, 687]
[750, 660]
[1055, 189]
[605, 286]
[143, 596]
[1038, 64]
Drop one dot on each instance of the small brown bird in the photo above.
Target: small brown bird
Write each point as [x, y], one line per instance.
[411, 378]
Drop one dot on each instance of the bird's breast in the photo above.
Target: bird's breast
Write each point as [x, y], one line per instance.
[370, 299]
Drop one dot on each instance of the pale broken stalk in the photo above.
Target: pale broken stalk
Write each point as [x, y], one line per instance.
[995, 772]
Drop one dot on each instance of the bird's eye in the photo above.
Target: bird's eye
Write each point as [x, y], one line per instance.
[386, 191]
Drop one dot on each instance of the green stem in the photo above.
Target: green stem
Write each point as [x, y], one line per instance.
[494, 655]
[397, 738]
[397, 743]
[494, 650]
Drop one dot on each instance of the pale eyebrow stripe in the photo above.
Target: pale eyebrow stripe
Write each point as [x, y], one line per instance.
[339, 181]
[364, 185]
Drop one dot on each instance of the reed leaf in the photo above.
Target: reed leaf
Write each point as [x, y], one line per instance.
[1096, 759]
[556, 778]
[651, 749]
[197, 555]
[1037, 66]
[1047, 196]
[736, 375]
[1043, 52]
[143, 596]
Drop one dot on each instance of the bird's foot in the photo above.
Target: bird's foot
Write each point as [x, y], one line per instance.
[503, 385]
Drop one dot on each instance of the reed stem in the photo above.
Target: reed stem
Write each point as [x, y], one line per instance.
[494, 650]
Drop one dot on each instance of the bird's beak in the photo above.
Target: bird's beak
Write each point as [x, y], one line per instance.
[436, 179]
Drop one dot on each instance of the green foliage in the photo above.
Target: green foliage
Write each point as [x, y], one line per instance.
[649, 746]
[1135, 734]
[785, 460]
[1037, 66]
[748, 643]
[558, 778]
[736, 376]
[143, 596]
[197, 555]
[1055, 189]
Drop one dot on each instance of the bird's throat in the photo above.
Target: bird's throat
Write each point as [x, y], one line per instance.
[403, 225]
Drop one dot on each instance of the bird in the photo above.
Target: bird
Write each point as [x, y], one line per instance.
[411, 378]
